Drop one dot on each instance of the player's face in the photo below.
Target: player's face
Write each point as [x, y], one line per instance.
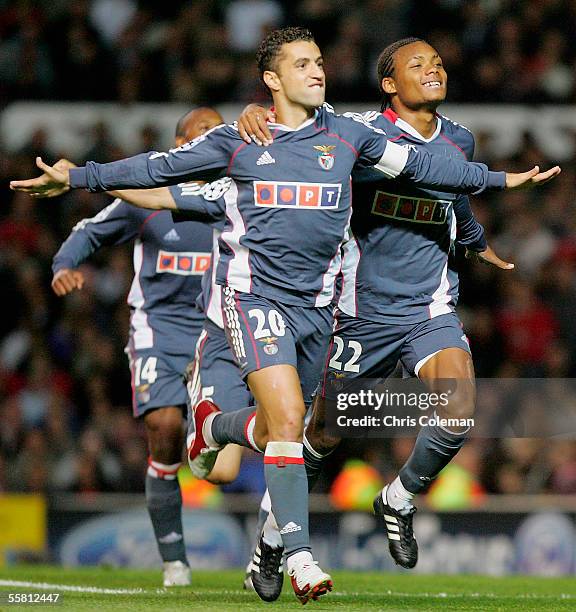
[419, 79]
[300, 73]
[198, 123]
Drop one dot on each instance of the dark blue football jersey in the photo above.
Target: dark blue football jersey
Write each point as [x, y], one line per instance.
[288, 207]
[169, 263]
[397, 265]
[200, 203]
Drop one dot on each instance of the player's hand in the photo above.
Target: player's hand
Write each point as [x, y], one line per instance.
[489, 258]
[532, 178]
[66, 280]
[63, 165]
[252, 125]
[53, 182]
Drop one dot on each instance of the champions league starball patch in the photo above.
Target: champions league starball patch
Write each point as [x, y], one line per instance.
[325, 159]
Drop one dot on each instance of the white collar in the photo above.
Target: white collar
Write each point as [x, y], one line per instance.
[413, 132]
[285, 128]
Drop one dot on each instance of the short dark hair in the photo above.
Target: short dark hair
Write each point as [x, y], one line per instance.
[181, 126]
[269, 49]
[385, 66]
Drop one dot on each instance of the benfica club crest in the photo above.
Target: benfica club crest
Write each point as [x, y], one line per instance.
[325, 159]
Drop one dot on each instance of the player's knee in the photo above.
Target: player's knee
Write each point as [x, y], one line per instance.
[165, 435]
[461, 403]
[289, 429]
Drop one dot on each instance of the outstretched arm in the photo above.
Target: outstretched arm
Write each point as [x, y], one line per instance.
[54, 181]
[489, 257]
[471, 235]
[158, 198]
[203, 158]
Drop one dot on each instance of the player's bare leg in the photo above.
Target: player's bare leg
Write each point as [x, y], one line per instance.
[279, 397]
[227, 465]
[276, 427]
[164, 428]
[317, 444]
[449, 370]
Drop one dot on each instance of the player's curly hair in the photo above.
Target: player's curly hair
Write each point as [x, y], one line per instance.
[385, 66]
[269, 49]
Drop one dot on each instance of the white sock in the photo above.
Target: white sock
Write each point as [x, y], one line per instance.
[298, 558]
[207, 430]
[396, 496]
[271, 532]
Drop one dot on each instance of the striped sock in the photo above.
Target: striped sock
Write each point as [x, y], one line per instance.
[164, 502]
[235, 427]
[288, 486]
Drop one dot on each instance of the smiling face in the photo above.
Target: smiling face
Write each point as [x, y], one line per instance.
[298, 76]
[418, 79]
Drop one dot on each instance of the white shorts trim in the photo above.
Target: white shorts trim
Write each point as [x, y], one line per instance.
[424, 361]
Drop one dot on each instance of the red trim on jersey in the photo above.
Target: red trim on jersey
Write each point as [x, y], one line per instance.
[356, 277]
[335, 329]
[333, 135]
[252, 340]
[150, 216]
[454, 145]
[244, 144]
[390, 114]
[403, 135]
[212, 276]
[283, 461]
[201, 349]
[132, 353]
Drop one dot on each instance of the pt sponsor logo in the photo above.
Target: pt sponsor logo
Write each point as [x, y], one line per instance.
[414, 210]
[310, 196]
[183, 263]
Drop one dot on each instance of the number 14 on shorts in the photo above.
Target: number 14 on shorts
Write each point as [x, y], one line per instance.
[145, 370]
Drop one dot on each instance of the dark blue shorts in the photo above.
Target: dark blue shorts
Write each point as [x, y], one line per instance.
[263, 332]
[365, 349]
[157, 378]
[215, 375]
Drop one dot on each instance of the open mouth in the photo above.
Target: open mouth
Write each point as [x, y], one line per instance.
[433, 85]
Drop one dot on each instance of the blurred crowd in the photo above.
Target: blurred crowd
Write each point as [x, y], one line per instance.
[65, 395]
[202, 51]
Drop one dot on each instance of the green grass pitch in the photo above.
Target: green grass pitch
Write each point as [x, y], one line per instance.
[120, 589]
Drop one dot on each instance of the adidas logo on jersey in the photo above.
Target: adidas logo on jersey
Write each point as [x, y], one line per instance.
[265, 158]
[171, 236]
[290, 528]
